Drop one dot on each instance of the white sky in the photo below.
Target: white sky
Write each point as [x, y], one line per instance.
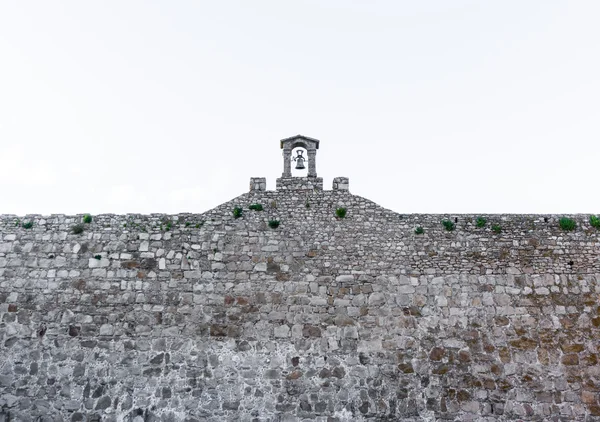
[428, 106]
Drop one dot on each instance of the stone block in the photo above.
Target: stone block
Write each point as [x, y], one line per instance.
[341, 183]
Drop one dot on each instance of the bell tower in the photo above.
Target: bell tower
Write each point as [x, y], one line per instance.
[287, 181]
[311, 146]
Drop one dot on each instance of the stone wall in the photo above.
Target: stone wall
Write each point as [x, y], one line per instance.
[205, 317]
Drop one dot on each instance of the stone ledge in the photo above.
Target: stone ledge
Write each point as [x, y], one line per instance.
[300, 183]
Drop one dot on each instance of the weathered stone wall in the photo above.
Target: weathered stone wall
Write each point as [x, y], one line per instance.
[208, 317]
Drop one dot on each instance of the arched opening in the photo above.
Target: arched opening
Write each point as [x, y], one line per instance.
[290, 147]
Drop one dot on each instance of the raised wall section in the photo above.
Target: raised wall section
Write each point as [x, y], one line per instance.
[211, 318]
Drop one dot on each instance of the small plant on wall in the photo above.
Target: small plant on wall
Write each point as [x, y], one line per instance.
[340, 213]
[595, 221]
[481, 222]
[87, 219]
[273, 224]
[28, 225]
[567, 224]
[77, 229]
[237, 212]
[256, 207]
[496, 228]
[419, 230]
[448, 225]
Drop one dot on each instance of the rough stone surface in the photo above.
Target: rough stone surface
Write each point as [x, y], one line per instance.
[205, 317]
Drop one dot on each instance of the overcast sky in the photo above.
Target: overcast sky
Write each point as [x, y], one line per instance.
[428, 106]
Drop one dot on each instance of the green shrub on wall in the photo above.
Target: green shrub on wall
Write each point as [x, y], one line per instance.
[28, 225]
[87, 219]
[481, 222]
[595, 221]
[273, 224]
[419, 230]
[448, 225]
[567, 224]
[497, 228]
[340, 213]
[237, 212]
[256, 207]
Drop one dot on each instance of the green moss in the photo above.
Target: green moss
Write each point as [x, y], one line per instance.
[419, 230]
[237, 212]
[28, 225]
[256, 207]
[273, 224]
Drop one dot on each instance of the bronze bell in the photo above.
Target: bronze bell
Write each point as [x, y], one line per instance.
[299, 161]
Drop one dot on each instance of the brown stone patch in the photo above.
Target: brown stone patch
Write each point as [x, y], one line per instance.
[589, 397]
[568, 323]
[496, 369]
[12, 307]
[524, 343]
[504, 354]
[130, 264]
[282, 276]
[501, 321]
[489, 384]
[572, 359]
[571, 348]
[543, 356]
[407, 368]
[590, 360]
[440, 370]
[488, 347]
[437, 353]
[463, 395]
[464, 356]
[294, 375]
